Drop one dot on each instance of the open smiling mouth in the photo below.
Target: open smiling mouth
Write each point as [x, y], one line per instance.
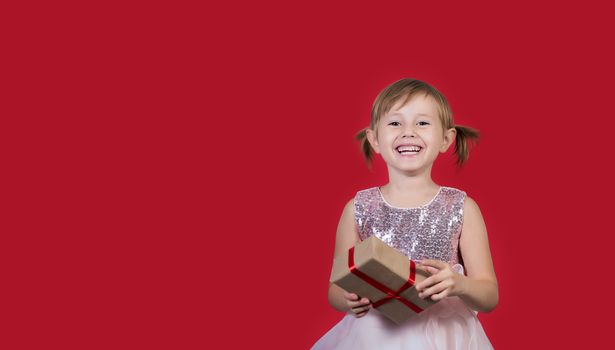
[408, 150]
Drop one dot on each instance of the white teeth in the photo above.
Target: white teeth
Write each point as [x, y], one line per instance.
[403, 149]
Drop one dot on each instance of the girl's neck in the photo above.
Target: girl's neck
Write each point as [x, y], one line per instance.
[403, 184]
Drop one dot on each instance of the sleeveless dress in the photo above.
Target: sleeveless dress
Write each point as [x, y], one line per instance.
[430, 231]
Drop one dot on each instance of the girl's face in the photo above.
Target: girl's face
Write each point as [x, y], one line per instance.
[410, 137]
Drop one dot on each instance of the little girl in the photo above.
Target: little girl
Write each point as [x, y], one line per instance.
[439, 227]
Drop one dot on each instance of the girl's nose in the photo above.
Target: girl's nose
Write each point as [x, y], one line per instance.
[408, 132]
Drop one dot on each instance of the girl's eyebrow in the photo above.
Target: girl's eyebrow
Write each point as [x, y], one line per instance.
[400, 114]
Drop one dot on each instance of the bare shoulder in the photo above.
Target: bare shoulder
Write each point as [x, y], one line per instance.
[473, 222]
[349, 207]
[472, 215]
[470, 205]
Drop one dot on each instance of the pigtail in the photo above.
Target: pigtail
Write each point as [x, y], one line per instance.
[465, 135]
[366, 148]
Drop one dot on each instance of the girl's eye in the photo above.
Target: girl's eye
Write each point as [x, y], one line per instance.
[420, 123]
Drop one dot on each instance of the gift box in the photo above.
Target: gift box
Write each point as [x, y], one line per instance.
[384, 275]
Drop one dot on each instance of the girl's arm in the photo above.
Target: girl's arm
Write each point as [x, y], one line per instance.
[480, 288]
[346, 237]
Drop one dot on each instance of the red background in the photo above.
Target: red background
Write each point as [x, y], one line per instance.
[174, 172]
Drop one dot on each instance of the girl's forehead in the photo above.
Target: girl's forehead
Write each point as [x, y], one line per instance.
[417, 105]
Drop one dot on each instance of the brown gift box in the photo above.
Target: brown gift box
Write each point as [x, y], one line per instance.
[387, 266]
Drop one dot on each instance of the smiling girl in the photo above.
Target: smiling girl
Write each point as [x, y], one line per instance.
[440, 227]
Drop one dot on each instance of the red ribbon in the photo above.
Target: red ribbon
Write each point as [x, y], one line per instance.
[391, 294]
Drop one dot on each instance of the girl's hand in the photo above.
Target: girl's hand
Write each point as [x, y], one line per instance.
[358, 306]
[443, 282]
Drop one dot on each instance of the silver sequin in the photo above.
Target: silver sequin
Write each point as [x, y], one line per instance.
[430, 231]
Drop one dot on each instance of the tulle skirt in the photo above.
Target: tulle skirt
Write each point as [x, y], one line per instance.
[449, 324]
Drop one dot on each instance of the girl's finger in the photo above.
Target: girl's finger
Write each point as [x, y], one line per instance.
[432, 290]
[432, 270]
[359, 303]
[359, 310]
[361, 314]
[440, 295]
[435, 263]
[353, 304]
[351, 296]
[428, 282]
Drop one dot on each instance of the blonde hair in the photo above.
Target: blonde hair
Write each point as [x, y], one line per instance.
[409, 88]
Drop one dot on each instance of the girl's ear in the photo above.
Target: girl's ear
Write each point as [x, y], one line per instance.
[449, 138]
[371, 137]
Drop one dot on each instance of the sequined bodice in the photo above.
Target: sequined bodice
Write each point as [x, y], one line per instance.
[430, 231]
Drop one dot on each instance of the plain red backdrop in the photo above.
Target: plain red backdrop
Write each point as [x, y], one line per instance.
[174, 172]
